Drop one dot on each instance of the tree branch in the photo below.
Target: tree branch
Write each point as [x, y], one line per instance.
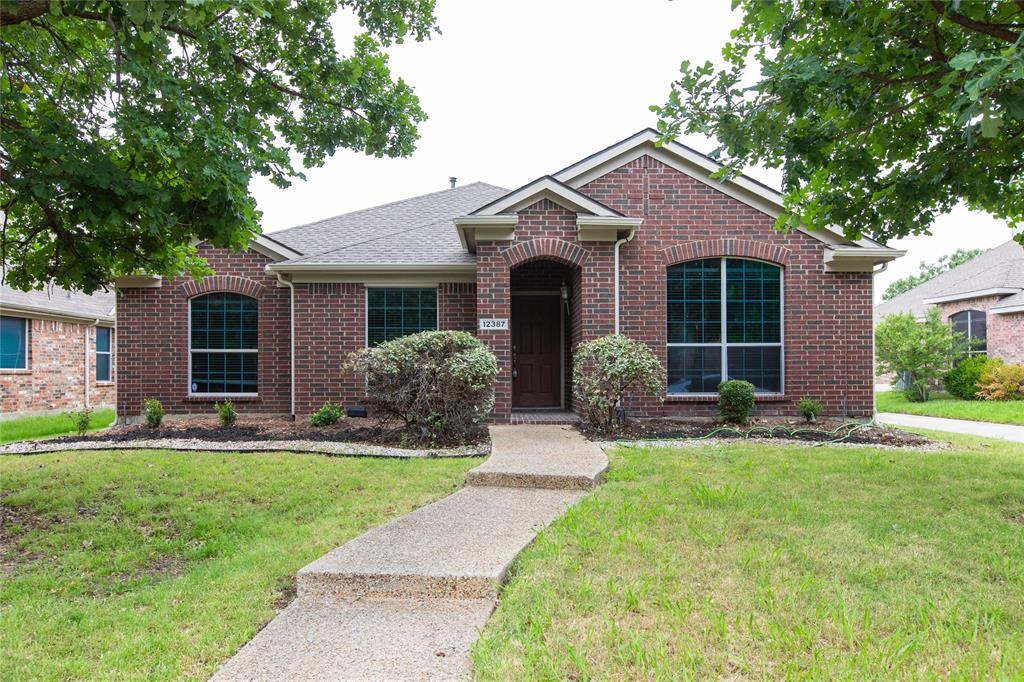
[976, 26]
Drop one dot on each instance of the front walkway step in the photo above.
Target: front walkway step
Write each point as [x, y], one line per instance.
[363, 639]
[540, 456]
[457, 548]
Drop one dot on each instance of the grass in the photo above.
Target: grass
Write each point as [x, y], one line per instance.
[945, 405]
[160, 565]
[766, 562]
[25, 428]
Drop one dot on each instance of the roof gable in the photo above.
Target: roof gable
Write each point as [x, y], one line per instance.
[546, 187]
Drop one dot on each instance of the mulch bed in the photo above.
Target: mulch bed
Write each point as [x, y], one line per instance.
[764, 429]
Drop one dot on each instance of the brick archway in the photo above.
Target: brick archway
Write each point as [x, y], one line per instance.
[716, 248]
[545, 248]
[233, 283]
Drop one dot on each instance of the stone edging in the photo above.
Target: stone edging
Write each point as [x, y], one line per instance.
[192, 445]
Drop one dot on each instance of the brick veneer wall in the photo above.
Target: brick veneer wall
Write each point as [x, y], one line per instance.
[457, 306]
[53, 381]
[1005, 333]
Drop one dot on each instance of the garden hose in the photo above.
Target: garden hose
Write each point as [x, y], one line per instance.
[833, 436]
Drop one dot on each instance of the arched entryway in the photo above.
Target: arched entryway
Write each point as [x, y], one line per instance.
[545, 323]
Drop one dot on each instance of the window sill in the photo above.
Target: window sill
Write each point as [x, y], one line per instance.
[772, 398]
[249, 398]
[15, 371]
[104, 383]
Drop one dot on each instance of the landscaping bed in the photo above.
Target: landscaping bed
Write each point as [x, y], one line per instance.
[823, 431]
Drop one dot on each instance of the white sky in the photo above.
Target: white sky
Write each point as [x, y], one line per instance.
[517, 90]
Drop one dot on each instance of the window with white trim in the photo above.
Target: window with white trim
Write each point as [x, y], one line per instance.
[972, 324]
[724, 320]
[223, 344]
[103, 353]
[13, 342]
[392, 312]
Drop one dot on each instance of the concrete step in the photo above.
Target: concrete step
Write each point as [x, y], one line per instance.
[362, 639]
[540, 456]
[457, 548]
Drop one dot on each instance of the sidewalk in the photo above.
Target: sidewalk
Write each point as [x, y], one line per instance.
[406, 600]
[971, 428]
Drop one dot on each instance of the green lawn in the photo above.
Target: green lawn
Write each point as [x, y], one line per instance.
[25, 428]
[945, 405]
[159, 565]
[767, 562]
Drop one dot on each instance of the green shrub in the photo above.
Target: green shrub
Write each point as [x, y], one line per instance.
[226, 413]
[328, 414]
[439, 384]
[919, 351]
[605, 370]
[1000, 381]
[80, 420]
[153, 411]
[809, 408]
[736, 400]
[962, 380]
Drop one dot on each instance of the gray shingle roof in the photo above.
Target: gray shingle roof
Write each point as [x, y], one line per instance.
[411, 231]
[1001, 267]
[59, 301]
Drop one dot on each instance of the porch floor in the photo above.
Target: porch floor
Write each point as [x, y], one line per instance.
[526, 416]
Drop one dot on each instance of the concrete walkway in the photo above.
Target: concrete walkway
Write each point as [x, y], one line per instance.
[406, 600]
[971, 428]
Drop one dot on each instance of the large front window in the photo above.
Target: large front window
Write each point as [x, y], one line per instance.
[972, 324]
[223, 343]
[724, 322]
[397, 311]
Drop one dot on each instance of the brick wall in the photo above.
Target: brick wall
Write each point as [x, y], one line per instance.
[1005, 332]
[53, 381]
[457, 306]
[330, 322]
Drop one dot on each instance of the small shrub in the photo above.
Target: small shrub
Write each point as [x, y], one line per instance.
[226, 413]
[439, 384]
[809, 408]
[962, 380]
[328, 414]
[154, 412]
[80, 420]
[921, 352]
[736, 401]
[1000, 381]
[605, 370]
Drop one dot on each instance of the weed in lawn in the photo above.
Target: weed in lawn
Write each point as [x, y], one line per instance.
[713, 496]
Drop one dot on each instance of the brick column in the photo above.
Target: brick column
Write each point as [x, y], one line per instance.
[493, 300]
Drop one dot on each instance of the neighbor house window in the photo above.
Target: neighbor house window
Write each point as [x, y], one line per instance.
[103, 353]
[971, 323]
[13, 342]
[396, 311]
[724, 322]
[223, 343]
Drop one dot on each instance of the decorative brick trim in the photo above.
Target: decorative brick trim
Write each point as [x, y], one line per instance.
[545, 247]
[239, 285]
[716, 248]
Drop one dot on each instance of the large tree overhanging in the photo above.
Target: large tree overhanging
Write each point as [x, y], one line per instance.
[129, 130]
[881, 115]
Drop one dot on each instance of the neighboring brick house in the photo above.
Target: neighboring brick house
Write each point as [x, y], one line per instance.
[636, 238]
[56, 351]
[983, 298]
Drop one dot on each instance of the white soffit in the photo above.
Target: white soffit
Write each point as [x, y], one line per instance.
[963, 296]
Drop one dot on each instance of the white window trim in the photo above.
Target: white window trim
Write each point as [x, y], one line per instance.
[25, 335]
[366, 308]
[109, 353]
[188, 332]
[724, 344]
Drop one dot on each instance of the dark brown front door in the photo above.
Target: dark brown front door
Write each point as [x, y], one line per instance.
[537, 351]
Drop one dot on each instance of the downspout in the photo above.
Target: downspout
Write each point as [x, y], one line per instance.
[85, 342]
[291, 339]
[632, 233]
[874, 396]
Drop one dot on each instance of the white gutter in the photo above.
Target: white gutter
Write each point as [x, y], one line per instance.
[291, 339]
[632, 233]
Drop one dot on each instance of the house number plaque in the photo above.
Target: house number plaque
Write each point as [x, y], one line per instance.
[493, 323]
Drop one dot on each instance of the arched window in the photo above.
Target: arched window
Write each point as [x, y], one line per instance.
[724, 322]
[971, 323]
[223, 344]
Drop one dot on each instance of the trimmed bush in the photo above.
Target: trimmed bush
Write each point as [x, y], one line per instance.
[328, 414]
[962, 380]
[736, 401]
[605, 370]
[439, 385]
[1000, 381]
[226, 413]
[921, 352]
[809, 408]
[154, 412]
[80, 420]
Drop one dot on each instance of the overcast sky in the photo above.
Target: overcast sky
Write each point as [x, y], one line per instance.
[517, 90]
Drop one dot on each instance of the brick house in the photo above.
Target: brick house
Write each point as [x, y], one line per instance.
[56, 351]
[983, 298]
[636, 238]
